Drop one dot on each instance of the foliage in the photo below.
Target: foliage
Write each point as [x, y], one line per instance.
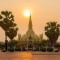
[6, 20]
[52, 31]
[13, 42]
[7, 23]
[1, 45]
[44, 42]
[12, 33]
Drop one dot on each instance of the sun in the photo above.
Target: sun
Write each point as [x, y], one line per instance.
[27, 13]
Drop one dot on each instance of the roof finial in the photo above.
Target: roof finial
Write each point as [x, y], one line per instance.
[30, 22]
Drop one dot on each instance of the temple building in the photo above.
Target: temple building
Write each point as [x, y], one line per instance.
[29, 39]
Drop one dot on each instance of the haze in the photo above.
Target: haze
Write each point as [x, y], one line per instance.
[42, 11]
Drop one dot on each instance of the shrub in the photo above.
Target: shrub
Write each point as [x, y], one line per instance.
[43, 49]
[49, 49]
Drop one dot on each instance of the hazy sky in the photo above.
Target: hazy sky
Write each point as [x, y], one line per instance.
[42, 12]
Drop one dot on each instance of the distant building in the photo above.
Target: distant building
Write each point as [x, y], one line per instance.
[29, 39]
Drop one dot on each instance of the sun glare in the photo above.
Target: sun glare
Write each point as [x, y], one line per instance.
[27, 13]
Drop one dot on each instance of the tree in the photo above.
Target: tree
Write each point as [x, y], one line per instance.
[44, 42]
[12, 32]
[52, 31]
[13, 43]
[6, 21]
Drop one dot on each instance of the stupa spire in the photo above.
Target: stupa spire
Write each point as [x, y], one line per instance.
[30, 22]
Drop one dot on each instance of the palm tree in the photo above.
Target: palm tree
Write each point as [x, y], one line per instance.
[11, 34]
[6, 21]
[52, 31]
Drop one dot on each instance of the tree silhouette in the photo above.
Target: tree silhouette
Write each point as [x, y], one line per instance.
[52, 31]
[12, 32]
[6, 21]
[12, 44]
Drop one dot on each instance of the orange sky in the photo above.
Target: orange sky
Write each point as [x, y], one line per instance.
[42, 12]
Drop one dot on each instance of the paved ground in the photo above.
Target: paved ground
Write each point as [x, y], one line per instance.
[29, 56]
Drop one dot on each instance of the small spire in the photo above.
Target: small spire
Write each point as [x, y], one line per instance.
[30, 22]
[30, 16]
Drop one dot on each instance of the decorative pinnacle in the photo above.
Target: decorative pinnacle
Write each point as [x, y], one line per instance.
[30, 22]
